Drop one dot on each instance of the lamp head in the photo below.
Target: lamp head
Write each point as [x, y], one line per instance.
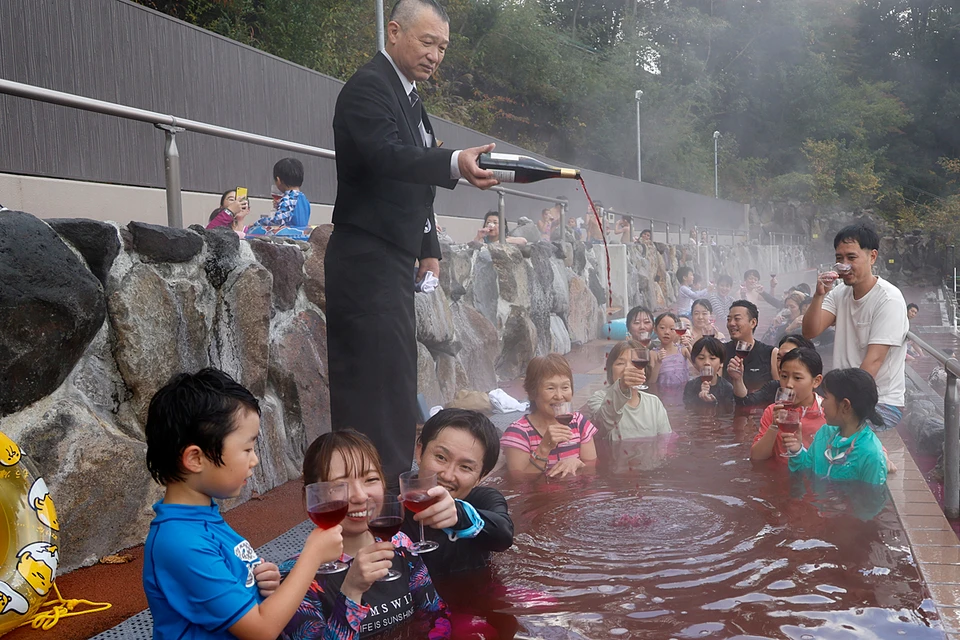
[638, 95]
[716, 134]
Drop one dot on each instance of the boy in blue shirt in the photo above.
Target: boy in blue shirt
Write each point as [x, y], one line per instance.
[293, 210]
[202, 579]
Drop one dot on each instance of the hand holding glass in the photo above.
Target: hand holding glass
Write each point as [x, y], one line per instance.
[414, 490]
[640, 358]
[788, 421]
[384, 521]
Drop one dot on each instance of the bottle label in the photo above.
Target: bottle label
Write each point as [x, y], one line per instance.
[504, 156]
[505, 176]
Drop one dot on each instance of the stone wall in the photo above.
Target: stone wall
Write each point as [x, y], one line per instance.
[97, 317]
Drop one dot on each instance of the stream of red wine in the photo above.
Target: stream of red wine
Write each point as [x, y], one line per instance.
[606, 250]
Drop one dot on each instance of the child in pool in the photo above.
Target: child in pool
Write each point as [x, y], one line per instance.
[850, 450]
[801, 371]
[668, 364]
[708, 352]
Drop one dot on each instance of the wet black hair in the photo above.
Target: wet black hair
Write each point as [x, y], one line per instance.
[666, 314]
[193, 409]
[803, 287]
[751, 272]
[725, 279]
[857, 386]
[865, 236]
[703, 302]
[808, 357]
[713, 346]
[495, 214]
[797, 339]
[290, 172]
[682, 273]
[913, 305]
[223, 197]
[751, 308]
[474, 423]
[633, 313]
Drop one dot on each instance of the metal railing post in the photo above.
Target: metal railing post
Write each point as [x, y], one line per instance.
[502, 216]
[171, 170]
[951, 448]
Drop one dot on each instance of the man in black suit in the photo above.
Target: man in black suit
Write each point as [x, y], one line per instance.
[388, 167]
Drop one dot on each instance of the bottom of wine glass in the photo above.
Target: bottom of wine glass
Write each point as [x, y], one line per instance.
[391, 576]
[642, 387]
[789, 455]
[425, 546]
[332, 567]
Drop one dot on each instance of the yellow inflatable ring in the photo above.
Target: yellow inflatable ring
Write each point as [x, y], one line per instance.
[29, 537]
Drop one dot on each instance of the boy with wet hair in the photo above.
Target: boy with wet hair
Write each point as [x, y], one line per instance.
[293, 209]
[201, 578]
[462, 448]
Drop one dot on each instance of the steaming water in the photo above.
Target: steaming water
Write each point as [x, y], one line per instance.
[686, 538]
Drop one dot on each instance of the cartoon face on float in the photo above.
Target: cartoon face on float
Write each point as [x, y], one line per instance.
[11, 600]
[37, 563]
[9, 451]
[42, 503]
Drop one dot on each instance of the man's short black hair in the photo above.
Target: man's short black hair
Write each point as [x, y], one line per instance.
[475, 423]
[751, 308]
[725, 279]
[290, 172]
[404, 10]
[751, 272]
[913, 305]
[864, 234]
[193, 409]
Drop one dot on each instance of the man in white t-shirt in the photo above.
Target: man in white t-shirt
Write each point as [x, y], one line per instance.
[870, 315]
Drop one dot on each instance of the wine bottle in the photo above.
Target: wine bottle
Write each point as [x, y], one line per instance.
[522, 169]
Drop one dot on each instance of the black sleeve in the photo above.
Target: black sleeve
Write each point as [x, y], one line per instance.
[366, 110]
[723, 392]
[762, 396]
[430, 247]
[497, 533]
[691, 391]
[773, 301]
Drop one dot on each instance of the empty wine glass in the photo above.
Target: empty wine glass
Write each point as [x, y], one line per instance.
[640, 358]
[414, 493]
[327, 505]
[384, 521]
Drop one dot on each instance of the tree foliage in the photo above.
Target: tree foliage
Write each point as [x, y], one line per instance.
[830, 101]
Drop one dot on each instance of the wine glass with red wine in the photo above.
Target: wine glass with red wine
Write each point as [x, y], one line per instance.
[413, 492]
[743, 349]
[562, 413]
[327, 505]
[788, 421]
[706, 374]
[384, 521]
[640, 358]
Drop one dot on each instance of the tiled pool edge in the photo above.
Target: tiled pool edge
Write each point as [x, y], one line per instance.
[932, 541]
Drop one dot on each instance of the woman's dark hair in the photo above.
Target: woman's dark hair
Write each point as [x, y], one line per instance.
[682, 273]
[633, 313]
[713, 346]
[474, 423]
[496, 214]
[193, 409]
[800, 341]
[358, 451]
[857, 386]
[665, 314]
[223, 197]
[615, 353]
[808, 357]
[703, 302]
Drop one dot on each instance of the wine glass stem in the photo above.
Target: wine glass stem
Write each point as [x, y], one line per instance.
[421, 532]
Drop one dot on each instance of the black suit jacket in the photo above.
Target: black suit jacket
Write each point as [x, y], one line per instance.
[386, 178]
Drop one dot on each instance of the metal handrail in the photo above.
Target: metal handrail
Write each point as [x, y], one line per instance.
[951, 429]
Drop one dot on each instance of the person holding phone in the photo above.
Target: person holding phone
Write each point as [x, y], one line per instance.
[233, 209]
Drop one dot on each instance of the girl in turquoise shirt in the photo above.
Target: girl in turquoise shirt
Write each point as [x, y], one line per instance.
[849, 451]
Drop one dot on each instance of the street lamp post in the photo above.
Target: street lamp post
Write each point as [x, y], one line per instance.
[716, 175]
[638, 95]
[380, 40]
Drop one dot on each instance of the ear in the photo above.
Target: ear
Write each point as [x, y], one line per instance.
[418, 452]
[192, 459]
[817, 381]
[393, 31]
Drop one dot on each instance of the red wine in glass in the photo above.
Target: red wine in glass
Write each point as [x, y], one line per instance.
[564, 418]
[789, 427]
[743, 349]
[681, 331]
[328, 514]
[645, 342]
[640, 364]
[385, 527]
[417, 501]
[706, 378]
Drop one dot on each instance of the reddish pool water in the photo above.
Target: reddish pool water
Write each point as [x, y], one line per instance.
[685, 538]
